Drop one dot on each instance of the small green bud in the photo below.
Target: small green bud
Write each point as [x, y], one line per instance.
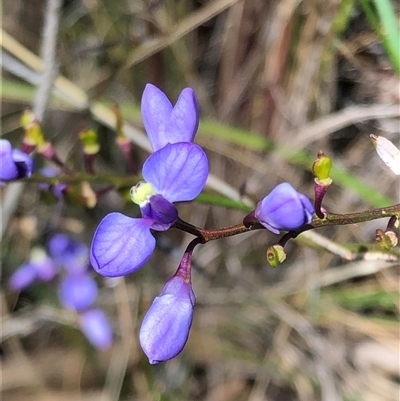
[33, 134]
[90, 141]
[322, 168]
[387, 240]
[275, 255]
[141, 192]
[27, 118]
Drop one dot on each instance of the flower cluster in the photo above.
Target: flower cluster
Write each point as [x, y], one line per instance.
[177, 171]
[77, 289]
[14, 163]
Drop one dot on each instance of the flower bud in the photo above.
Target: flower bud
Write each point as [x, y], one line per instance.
[90, 141]
[27, 118]
[284, 209]
[166, 325]
[275, 255]
[322, 168]
[386, 240]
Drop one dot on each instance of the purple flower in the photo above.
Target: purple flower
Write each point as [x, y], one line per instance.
[284, 209]
[176, 172]
[56, 189]
[78, 292]
[39, 268]
[71, 254]
[165, 327]
[165, 123]
[14, 164]
[23, 277]
[96, 327]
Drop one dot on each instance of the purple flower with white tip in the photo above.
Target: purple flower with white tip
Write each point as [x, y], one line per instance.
[14, 164]
[166, 325]
[176, 172]
[165, 123]
[97, 328]
[284, 209]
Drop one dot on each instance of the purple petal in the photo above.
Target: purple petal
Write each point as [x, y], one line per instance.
[284, 209]
[178, 171]
[308, 207]
[165, 328]
[156, 110]
[78, 292]
[184, 121]
[8, 169]
[58, 189]
[71, 254]
[23, 162]
[97, 329]
[121, 245]
[23, 277]
[161, 211]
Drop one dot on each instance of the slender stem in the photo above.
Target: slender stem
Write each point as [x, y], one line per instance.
[206, 235]
[185, 267]
[77, 178]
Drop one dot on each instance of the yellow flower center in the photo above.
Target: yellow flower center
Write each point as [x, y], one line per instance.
[141, 192]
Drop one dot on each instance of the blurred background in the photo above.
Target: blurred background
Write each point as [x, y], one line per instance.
[277, 81]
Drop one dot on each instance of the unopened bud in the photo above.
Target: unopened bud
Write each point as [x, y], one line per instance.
[27, 118]
[33, 137]
[387, 240]
[275, 255]
[322, 168]
[90, 142]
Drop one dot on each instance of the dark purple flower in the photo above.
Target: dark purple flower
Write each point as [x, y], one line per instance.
[284, 209]
[166, 325]
[165, 123]
[78, 292]
[96, 327]
[14, 164]
[71, 254]
[176, 172]
[39, 268]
